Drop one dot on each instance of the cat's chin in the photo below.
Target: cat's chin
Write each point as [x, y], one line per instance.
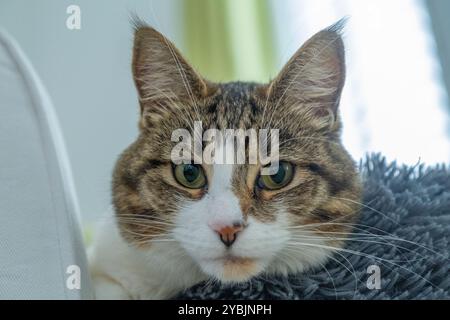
[232, 269]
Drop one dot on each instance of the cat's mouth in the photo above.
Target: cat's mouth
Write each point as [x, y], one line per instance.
[230, 268]
[230, 259]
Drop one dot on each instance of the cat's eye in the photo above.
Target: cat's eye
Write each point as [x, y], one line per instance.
[278, 180]
[190, 176]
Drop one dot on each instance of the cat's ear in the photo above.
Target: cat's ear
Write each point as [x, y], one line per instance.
[313, 78]
[161, 73]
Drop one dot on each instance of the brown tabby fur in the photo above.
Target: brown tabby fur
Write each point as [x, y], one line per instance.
[302, 102]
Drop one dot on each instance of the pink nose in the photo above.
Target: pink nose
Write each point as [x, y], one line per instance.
[228, 233]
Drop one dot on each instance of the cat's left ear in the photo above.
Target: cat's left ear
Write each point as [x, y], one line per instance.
[313, 78]
[162, 74]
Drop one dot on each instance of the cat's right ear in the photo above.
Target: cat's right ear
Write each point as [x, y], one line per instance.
[312, 80]
[161, 74]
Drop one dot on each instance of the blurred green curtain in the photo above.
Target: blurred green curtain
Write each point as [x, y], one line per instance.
[230, 40]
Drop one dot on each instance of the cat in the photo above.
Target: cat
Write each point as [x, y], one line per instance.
[176, 225]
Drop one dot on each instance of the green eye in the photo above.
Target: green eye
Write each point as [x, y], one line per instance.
[190, 176]
[278, 180]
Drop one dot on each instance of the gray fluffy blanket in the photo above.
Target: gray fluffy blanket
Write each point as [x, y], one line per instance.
[409, 209]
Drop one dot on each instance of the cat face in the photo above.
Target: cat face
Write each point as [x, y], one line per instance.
[232, 221]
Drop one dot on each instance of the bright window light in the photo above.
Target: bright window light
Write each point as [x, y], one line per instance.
[394, 101]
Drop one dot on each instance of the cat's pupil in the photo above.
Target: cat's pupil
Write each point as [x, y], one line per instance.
[190, 172]
[278, 177]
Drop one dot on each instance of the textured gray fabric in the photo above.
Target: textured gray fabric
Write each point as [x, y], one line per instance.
[409, 209]
[40, 236]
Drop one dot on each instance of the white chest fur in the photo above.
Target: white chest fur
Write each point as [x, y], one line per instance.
[120, 271]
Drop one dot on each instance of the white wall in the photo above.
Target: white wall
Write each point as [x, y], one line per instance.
[87, 73]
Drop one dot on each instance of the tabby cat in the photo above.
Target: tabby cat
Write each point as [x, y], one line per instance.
[176, 225]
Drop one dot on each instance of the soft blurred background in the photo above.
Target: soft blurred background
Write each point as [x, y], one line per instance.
[395, 100]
